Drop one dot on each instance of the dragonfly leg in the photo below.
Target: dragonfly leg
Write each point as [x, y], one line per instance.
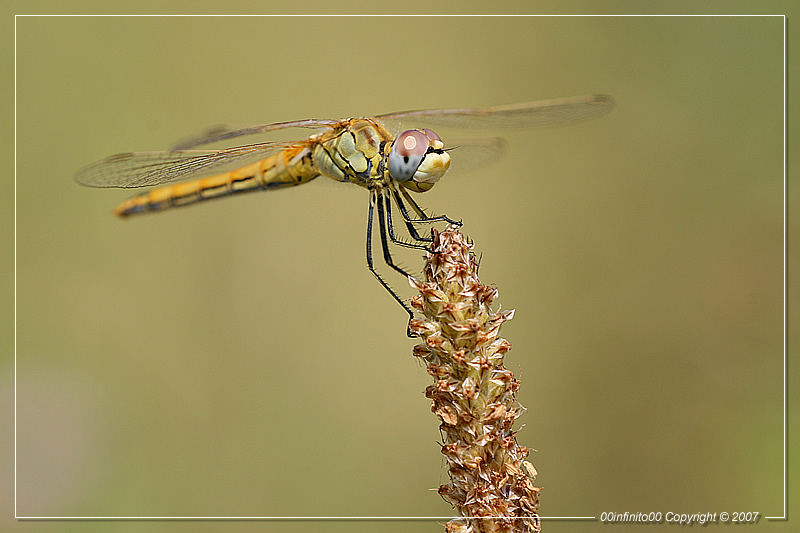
[421, 213]
[409, 221]
[385, 198]
[371, 265]
[387, 255]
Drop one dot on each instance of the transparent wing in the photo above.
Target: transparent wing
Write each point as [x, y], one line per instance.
[468, 155]
[143, 169]
[531, 114]
[221, 133]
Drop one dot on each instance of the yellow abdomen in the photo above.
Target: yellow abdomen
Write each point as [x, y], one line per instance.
[292, 166]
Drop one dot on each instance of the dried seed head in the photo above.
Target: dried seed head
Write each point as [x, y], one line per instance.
[473, 394]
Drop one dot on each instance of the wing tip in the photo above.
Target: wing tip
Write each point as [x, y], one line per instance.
[87, 176]
[604, 99]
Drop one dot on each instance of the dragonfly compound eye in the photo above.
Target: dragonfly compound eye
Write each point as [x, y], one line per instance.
[430, 134]
[407, 153]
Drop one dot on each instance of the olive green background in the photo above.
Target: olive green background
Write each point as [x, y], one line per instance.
[236, 358]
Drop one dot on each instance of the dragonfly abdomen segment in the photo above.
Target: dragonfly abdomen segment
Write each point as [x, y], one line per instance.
[288, 168]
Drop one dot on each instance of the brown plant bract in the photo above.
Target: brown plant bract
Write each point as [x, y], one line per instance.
[473, 394]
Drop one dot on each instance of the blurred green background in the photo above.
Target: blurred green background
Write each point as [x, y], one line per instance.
[237, 358]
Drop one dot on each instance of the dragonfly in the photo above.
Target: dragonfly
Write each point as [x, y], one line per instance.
[372, 152]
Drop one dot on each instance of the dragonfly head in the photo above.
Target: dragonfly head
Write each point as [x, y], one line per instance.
[418, 160]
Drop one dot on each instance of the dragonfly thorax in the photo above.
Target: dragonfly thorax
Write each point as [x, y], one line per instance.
[355, 151]
[363, 152]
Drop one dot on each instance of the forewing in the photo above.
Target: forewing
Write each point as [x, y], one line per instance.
[143, 169]
[532, 114]
[222, 133]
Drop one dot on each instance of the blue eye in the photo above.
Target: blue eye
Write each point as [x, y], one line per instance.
[407, 153]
